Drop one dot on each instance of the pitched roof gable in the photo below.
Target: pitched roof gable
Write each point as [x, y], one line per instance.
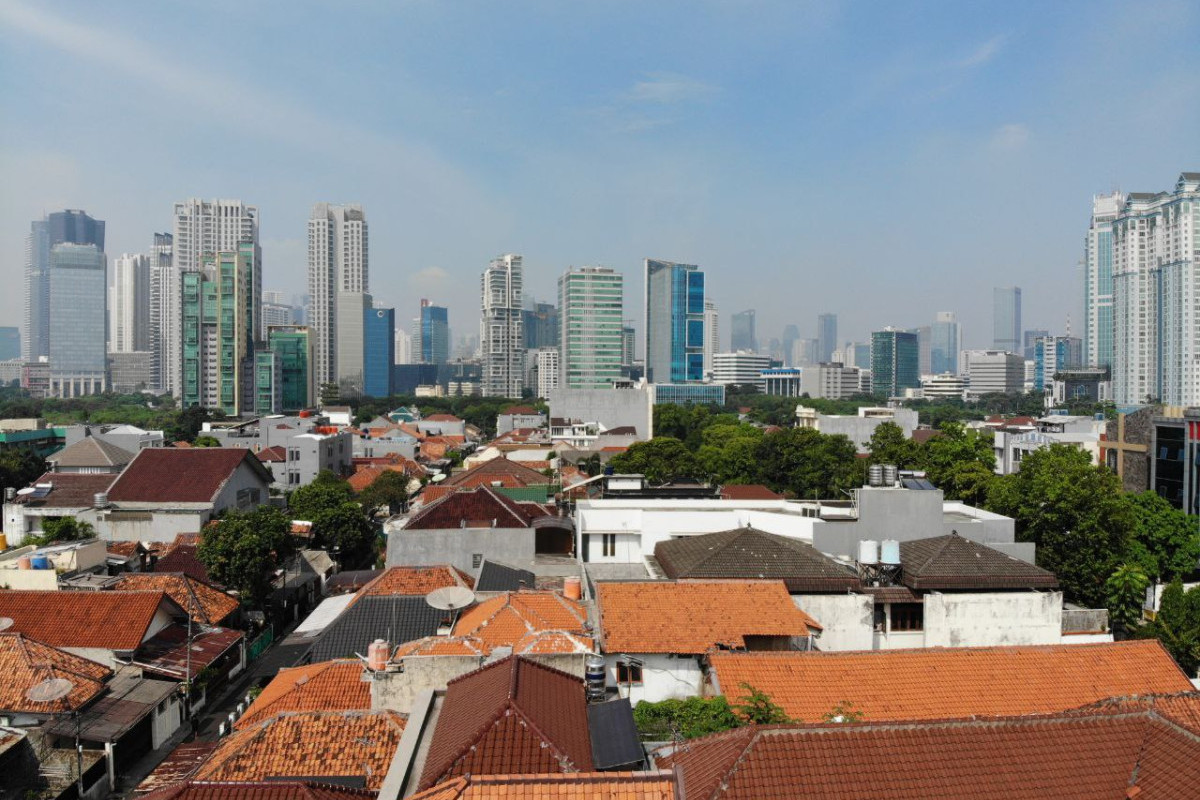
[206, 604]
[24, 663]
[325, 686]
[511, 716]
[506, 619]
[509, 473]
[91, 452]
[104, 620]
[416, 581]
[70, 490]
[656, 785]
[173, 475]
[749, 553]
[396, 618]
[474, 507]
[952, 562]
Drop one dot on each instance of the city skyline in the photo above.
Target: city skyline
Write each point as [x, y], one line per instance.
[662, 123]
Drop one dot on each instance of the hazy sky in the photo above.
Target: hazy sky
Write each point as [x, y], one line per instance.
[884, 160]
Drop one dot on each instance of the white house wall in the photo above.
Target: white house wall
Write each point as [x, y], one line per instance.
[847, 619]
[663, 677]
[982, 619]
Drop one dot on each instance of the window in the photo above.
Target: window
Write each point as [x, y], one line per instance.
[476, 560]
[908, 616]
[629, 673]
[610, 544]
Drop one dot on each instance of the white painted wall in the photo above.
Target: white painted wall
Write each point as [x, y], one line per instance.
[847, 619]
[663, 677]
[981, 619]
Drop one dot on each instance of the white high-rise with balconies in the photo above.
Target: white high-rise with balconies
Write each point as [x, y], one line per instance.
[337, 268]
[1156, 296]
[1098, 281]
[129, 304]
[501, 328]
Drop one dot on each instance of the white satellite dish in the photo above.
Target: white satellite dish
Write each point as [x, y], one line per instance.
[50, 690]
[441, 476]
[28, 490]
[6, 623]
[450, 598]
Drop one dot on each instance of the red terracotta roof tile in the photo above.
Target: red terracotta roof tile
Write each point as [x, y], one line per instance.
[696, 616]
[749, 491]
[656, 785]
[276, 454]
[416, 580]
[183, 558]
[507, 618]
[474, 506]
[269, 790]
[103, 620]
[326, 686]
[25, 663]
[166, 475]
[442, 646]
[508, 473]
[206, 604]
[179, 765]
[511, 716]
[942, 683]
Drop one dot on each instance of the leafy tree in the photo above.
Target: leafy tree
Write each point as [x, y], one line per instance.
[951, 458]
[807, 463]
[889, 445]
[345, 531]
[20, 466]
[1126, 591]
[727, 452]
[660, 459]
[844, 711]
[689, 718]
[60, 529]
[207, 441]
[326, 491]
[1074, 512]
[1165, 542]
[389, 490]
[245, 548]
[188, 423]
[1177, 625]
[592, 465]
[757, 708]
[968, 482]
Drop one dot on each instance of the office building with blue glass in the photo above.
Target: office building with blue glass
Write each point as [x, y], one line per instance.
[674, 322]
[895, 362]
[435, 334]
[379, 350]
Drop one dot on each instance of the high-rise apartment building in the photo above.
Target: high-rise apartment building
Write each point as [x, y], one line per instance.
[165, 344]
[945, 340]
[894, 362]
[435, 333]
[338, 260]
[547, 365]
[1006, 319]
[674, 322]
[129, 304]
[1098, 281]
[78, 287]
[628, 344]
[742, 333]
[591, 302]
[379, 351]
[826, 337]
[1156, 294]
[293, 350]
[1052, 354]
[218, 331]
[502, 329]
[70, 227]
[712, 336]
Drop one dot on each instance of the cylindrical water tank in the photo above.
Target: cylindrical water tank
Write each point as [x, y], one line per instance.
[889, 553]
[868, 551]
[572, 588]
[594, 676]
[10, 493]
[100, 500]
[377, 655]
[40, 562]
[890, 474]
[24, 562]
[875, 475]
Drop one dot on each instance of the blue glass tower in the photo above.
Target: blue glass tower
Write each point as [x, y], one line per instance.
[379, 350]
[435, 334]
[674, 322]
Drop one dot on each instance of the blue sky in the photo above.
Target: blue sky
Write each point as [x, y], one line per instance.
[881, 160]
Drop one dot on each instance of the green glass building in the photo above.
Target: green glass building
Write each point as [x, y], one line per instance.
[219, 323]
[895, 362]
[293, 351]
[591, 303]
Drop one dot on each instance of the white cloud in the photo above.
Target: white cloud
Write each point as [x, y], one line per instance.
[984, 52]
[432, 282]
[668, 88]
[1012, 136]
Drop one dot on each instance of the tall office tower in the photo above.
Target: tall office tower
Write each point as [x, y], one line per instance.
[712, 336]
[674, 322]
[742, 333]
[78, 289]
[219, 324]
[1052, 354]
[993, 371]
[591, 302]
[541, 322]
[790, 334]
[502, 329]
[72, 227]
[826, 337]
[293, 350]
[129, 304]
[1098, 281]
[1006, 319]
[924, 348]
[337, 264]
[894, 362]
[276, 310]
[379, 351]
[435, 333]
[165, 345]
[403, 347]
[945, 340]
[10, 343]
[1156, 330]
[1029, 341]
[350, 342]
[862, 354]
[628, 343]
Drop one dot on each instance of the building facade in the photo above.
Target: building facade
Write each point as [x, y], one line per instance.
[740, 368]
[674, 322]
[826, 337]
[831, 380]
[547, 365]
[782, 381]
[742, 333]
[501, 329]
[338, 258]
[944, 343]
[895, 359]
[1052, 354]
[1006, 319]
[994, 372]
[1098, 281]
[164, 320]
[591, 303]
[78, 289]
[129, 304]
[712, 335]
[379, 351]
[434, 327]
[72, 227]
[291, 345]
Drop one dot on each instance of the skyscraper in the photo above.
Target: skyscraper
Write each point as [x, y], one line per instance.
[628, 344]
[1052, 354]
[894, 362]
[71, 226]
[1156, 342]
[674, 322]
[379, 351]
[435, 333]
[501, 328]
[944, 343]
[129, 304]
[291, 346]
[924, 348]
[541, 322]
[826, 337]
[1006, 319]
[790, 334]
[77, 315]
[337, 266]
[742, 334]
[164, 344]
[1098, 281]
[1029, 342]
[591, 302]
[712, 335]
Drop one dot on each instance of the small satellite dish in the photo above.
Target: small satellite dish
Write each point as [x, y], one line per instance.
[441, 476]
[28, 490]
[49, 690]
[450, 598]
[5, 623]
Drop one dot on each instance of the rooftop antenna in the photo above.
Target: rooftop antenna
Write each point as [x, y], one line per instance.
[52, 690]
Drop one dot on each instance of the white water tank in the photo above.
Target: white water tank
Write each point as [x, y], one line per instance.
[868, 551]
[377, 655]
[875, 475]
[889, 553]
[891, 475]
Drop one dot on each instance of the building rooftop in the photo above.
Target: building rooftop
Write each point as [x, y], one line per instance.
[206, 604]
[506, 619]
[68, 490]
[506, 472]
[749, 553]
[394, 618]
[511, 716]
[25, 663]
[952, 562]
[497, 577]
[90, 452]
[750, 491]
[102, 620]
[325, 686]
[172, 475]
[172, 654]
[256, 790]
[696, 616]
[478, 507]
[416, 581]
[657, 785]
[945, 683]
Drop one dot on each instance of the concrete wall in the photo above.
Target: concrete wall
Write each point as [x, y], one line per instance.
[663, 677]
[860, 429]
[166, 721]
[29, 579]
[244, 477]
[612, 408]
[980, 619]
[144, 526]
[848, 619]
[510, 422]
[457, 546]
[376, 448]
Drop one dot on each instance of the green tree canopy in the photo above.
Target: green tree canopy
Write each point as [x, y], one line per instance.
[889, 445]
[1074, 512]
[20, 466]
[389, 490]
[1126, 591]
[245, 548]
[345, 532]
[1177, 625]
[1165, 541]
[689, 718]
[757, 708]
[806, 463]
[660, 459]
[325, 492]
[727, 452]
[60, 529]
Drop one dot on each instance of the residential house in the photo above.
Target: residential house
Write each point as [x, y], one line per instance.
[652, 785]
[52, 496]
[206, 604]
[336, 685]
[501, 474]
[129, 438]
[90, 455]
[518, 417]
[310, 454]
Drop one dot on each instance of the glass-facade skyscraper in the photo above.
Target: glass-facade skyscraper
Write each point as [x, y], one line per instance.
[674, 322]
[591, 303]
[742, 333]
[826, 337]
[78, 315]
[1006, 319]
[945, 340]
[293, 350]
[895, 361]
[435, 334]
[379, 350]
[72, 227]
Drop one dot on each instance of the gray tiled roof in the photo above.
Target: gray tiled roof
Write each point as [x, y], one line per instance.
[396, 619]
[91, 452]
[952, 562]
[751, 553]
[497, 577]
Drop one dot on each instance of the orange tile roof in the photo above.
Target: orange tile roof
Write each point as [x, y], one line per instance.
[695, 616]
[266, 790]
[366, 475]
[943, 683]
[325, 686]
[508, 473]
[416, 580]
[749, 491]
[350, 744]
[443, 646]
[656, 785]
[505, 619]
[103, 620]
[1182, 709]
[206, 604]
[25, 663]
[546, 642]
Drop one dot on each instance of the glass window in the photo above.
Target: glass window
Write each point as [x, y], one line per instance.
[908, 616]
[629, 673]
